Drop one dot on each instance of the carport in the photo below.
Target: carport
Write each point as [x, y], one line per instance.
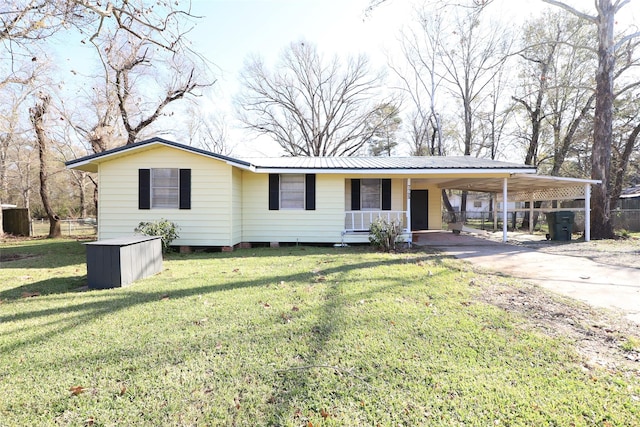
[528, 188]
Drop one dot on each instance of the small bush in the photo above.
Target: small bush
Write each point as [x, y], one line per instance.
[631, 344]
[385, 234]
[624, 234]
[166, 229]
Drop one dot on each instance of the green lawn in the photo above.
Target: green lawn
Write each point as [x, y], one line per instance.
[294, 336]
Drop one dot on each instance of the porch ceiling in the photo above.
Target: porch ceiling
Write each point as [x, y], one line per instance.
[516, 183]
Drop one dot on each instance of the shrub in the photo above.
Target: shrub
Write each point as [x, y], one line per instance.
[166, 229]
[385, 234]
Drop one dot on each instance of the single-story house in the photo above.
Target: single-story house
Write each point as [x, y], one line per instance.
[220, 201]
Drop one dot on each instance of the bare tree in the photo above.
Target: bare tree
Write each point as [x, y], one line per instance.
[209, 131]
[422, 81]
[602, 224]
[129, 66]
[625, 144]
[37, 114]
[387, 121]
[310, 106]
[463, 57]
[418, 132]
[159, 22]
[471, 62]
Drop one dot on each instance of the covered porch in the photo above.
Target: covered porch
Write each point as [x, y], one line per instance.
[420, 207]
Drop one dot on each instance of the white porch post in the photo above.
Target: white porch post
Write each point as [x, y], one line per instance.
[531, 216]
[504, 211]
[587, 212]
[409, 210]
[495, 211]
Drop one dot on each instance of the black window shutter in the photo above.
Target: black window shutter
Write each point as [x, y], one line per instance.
[310, 192]
[274, 191]
[386, 194]
[185, 188]
[355, 194]
[144, 188]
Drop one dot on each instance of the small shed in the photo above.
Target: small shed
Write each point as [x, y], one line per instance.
[113, 263]
[16, 220]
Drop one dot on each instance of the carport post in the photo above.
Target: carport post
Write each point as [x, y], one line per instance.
[531, 216]
[409, 211]
[495, 211]
[504, 211]
[587, 212]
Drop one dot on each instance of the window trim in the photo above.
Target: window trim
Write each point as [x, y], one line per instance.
[303, 193]
[174, 202]
[309, 192]
[385, 194]
[146, 193]
[363, 185]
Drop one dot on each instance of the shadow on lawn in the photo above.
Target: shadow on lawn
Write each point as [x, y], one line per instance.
[42, 253]
[53, 286]
[84, 311]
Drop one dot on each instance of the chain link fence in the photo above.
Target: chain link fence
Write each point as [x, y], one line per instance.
[626, 219]
[68, 227]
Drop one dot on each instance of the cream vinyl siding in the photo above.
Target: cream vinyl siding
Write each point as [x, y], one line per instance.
[207, 223]
[323, 225]
[236, 206]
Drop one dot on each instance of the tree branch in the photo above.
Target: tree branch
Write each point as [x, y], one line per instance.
[572, 10]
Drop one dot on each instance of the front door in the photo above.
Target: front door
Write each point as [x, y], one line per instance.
[419, 210]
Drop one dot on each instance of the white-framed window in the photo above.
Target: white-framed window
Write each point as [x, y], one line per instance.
[292, 191]
[165, 188]
[371, 194]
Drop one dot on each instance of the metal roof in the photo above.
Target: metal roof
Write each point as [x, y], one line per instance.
[391, 165]
[382, 163]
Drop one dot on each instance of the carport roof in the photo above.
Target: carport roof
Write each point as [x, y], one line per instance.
[516, 183]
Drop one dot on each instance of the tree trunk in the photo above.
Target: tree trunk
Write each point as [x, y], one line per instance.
[463, 205]
[83, 205]
[601, 223]
[37, 118]
[447, 204]
[621, 167]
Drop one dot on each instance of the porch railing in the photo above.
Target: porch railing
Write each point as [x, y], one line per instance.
[361, 220]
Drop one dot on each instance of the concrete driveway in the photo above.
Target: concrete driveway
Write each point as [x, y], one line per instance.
[597, 284]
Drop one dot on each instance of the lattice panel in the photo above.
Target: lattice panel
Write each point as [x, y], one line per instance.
[562, 193]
